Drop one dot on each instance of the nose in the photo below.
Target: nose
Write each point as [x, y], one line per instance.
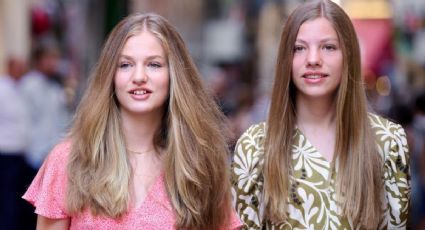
[140, 75]
[313, 57]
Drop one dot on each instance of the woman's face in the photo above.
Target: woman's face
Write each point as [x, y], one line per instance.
[318, 60]
[142, 76]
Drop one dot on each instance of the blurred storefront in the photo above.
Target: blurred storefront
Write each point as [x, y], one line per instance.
[392, 39]
[372, 17]
[373, 21]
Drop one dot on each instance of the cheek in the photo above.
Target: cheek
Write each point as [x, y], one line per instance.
[116, 82]
[338, 68]
[164, 81]
[120, 80]
[166, 88]
[297, 62]
[338, 60]
[119, 88]
[167, 83]
[296, 68]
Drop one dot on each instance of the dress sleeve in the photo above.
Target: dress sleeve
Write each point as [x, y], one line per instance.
[48, 189]
[247, 177]
[397, 178]
[235, 222]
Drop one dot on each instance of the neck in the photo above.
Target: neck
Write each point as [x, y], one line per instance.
[139, 130]
[315, 112]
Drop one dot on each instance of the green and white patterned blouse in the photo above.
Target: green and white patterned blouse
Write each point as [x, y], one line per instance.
[312, 198]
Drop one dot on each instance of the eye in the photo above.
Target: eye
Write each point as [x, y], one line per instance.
[154, 65]
[330, 47]
[298, 48]
[124, 65]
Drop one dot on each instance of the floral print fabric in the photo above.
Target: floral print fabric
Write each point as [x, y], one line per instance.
[312, 204]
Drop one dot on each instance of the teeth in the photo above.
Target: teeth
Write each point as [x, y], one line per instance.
[139, 92]
[313, 76]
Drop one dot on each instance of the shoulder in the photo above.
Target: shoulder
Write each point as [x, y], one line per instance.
[5, 80]
[6, 84]
[257, 129]
[251, 142]
[247, 174]
[32, 79]
[250, 146]
[60, 153]
[383, 125]
[390, 136]
[56, 161]
[255, 133]
[378, 121]
[48, 189]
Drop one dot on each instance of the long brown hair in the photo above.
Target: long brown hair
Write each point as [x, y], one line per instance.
[196, 154]
[359, 168]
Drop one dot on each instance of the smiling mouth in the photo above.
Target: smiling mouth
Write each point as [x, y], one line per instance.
[314, 76]
[139, 92]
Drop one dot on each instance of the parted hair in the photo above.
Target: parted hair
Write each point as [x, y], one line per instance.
[192, 133]
[359, 168]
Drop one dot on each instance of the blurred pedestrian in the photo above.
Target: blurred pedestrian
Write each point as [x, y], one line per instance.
[46, 99]
[321, 161]
[146, 149]
[14, 139]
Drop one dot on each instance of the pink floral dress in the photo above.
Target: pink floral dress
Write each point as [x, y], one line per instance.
[48, 190]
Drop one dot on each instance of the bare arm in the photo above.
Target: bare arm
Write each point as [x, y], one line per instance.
[44, 223]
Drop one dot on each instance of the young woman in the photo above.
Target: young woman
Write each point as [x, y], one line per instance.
[146, 149]
[321, 161]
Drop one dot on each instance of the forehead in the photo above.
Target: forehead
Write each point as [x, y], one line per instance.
[143, 42]
[318, 28]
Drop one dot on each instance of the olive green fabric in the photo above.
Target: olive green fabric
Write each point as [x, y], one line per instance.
[312, 195]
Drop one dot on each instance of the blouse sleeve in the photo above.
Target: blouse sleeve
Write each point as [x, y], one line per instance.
[397, 178]
[247, 176]
[48, 189]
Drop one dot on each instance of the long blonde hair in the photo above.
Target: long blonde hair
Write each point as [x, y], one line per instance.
[192, 133]
[359, 178]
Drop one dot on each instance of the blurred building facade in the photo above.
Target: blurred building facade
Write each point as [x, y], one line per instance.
[14, 30]
[83, 26]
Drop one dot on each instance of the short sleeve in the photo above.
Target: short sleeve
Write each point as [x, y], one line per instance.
[235, 222]
[48, 189]
[247, 179]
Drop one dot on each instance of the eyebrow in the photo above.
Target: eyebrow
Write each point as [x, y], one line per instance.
[322, 40]
[151, 57]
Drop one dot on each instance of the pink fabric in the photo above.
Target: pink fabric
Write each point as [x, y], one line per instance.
[48, 190]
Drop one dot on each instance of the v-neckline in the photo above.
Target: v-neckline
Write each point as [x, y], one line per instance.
[314, 147]
[155, 186]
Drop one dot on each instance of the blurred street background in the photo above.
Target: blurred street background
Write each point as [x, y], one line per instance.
[234, 44]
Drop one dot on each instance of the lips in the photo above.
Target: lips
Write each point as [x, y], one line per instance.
[314, 75]
[140, 91]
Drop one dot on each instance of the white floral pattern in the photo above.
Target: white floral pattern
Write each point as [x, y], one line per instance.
[312, 203]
